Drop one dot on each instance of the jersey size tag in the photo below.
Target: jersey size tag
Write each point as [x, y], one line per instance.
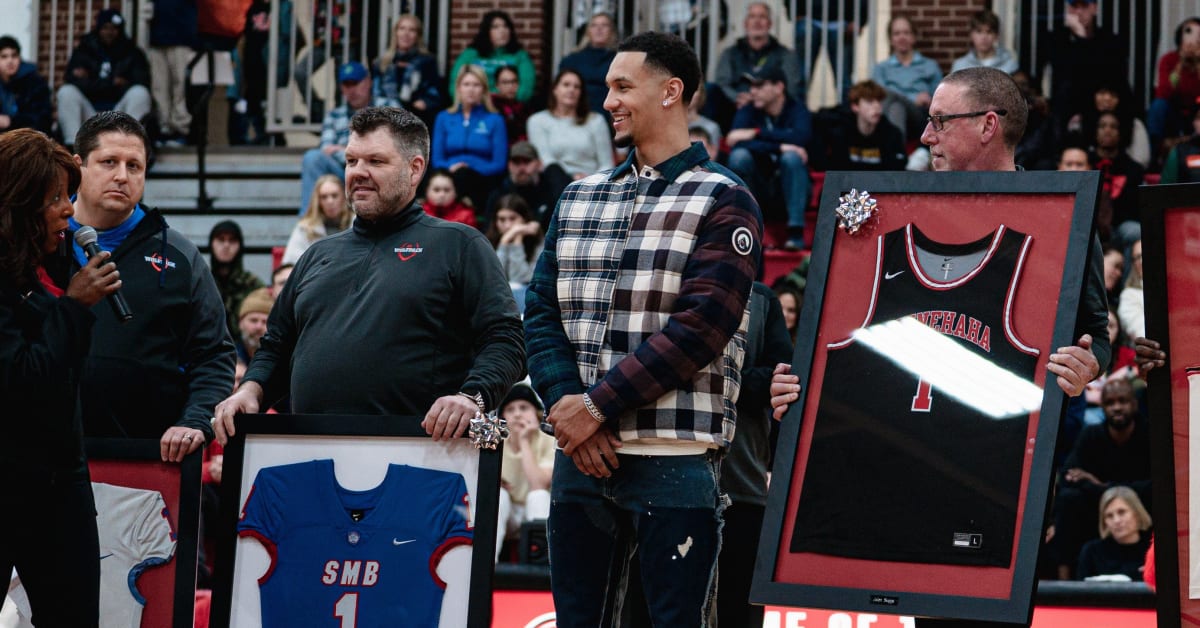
[968, 540]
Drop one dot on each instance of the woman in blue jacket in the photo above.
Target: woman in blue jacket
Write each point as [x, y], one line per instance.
[469, 138]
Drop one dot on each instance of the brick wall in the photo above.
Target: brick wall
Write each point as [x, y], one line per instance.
[942, 26]
[527, 15]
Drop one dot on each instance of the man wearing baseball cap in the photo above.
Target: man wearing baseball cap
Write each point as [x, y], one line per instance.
[540, 187]
[330, 156]
[769, 148]
[107, 71]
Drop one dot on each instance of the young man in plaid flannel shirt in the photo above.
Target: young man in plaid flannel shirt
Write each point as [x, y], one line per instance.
[635, 328]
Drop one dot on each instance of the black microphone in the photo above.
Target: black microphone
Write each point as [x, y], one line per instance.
[86, 238]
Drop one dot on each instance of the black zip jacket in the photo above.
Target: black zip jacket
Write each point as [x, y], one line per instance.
[125, 60]
[43, 341]
[387, 316]
[174, 361]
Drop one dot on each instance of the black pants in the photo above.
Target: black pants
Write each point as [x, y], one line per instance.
[735, 566]
[48, 532]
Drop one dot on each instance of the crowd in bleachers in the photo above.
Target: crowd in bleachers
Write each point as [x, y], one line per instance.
[501, 156]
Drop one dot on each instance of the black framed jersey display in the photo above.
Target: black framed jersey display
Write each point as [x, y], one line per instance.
[354, 521]
[912, 475]
[1171, 274]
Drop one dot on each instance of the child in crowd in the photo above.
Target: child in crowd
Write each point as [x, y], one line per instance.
[441, 200]
[528, 462]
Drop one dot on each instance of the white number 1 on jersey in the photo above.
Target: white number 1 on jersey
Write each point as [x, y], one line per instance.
[347, 609]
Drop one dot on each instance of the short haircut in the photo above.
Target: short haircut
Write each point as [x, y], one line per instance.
[281, 268]
[8, 41]
[408, 131]
[670, 54]
[1130, 497]
[985, 18]
[896, 17]
[88, 137]
[991, 89]
[698, 130]
[867, 90]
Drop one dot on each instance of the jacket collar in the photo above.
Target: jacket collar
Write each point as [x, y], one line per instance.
[670, 169]
[388, 224]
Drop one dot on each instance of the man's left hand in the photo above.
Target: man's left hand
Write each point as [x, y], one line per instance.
[597, 456]
[1075, 366]
[449, 417]
[572, 422]
[177, 442]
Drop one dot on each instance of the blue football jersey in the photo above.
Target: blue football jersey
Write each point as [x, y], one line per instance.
[354, 559]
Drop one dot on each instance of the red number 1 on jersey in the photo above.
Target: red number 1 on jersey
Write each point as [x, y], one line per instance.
[923, 400]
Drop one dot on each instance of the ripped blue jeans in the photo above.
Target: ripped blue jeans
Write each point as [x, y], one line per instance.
[665, 508]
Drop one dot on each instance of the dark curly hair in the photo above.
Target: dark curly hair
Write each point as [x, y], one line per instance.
[31, 165]
[483, 39]
[670, 54]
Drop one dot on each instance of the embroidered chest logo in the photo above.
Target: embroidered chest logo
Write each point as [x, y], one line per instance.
[159, 262]
[743, 241]
[408, 251]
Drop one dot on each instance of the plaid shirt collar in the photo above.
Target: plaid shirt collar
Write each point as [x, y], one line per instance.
[669, 169]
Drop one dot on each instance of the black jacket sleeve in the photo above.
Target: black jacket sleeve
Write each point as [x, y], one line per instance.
[499, 346]
[33, 105]
[1092, 317]
[776, 348]
[25, 365]
[208, 352]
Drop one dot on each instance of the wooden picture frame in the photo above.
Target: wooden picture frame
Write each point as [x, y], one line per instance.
[873, 530]
[367, 453]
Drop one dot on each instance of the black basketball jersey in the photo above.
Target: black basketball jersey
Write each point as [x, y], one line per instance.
[924, 468]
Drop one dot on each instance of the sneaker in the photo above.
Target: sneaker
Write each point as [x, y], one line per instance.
[794, 244]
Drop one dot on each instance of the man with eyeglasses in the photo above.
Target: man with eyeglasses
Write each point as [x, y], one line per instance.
[976, 118]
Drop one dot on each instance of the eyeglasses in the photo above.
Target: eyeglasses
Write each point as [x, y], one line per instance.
[938, 121]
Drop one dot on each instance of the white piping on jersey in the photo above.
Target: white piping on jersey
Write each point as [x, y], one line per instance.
[1012, 297]
[874, 295]
[911, 250]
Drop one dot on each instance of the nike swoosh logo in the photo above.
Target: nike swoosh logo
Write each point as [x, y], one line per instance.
[396, 542]
[105, 556]
[893, 275]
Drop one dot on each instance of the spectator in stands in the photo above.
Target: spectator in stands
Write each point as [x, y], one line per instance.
[790, 299]
[755, 51]
[496, 45]
[711, 128]
[1114, 269]
[279, 279]
[45, 335]
[569, 134]
[160, 374]
[106, 71]
[234, 282]
[24, 94]
[254, 83]
[330, 156]
[1039, 148]
[1074, 159]
[835, 25]
[866, 140]
[469, 138]
[252, 323]
[1131, 309]
[1124, 365]
[517, 238]
[539, 187]
[1081, 56]
[592, 58]
[909, 78]
[769, 148]
[516, 113]
[527, 466]
[1178, 87]
[1121, 176]
[173, 40]
[328, 213]
[697, 133]
[985, 50]
[1124, 538]
[343, 19]
[745, 469]
[1114, 96]
[408, 73]
[1183, 162]
[1116, 452]
[441, 200]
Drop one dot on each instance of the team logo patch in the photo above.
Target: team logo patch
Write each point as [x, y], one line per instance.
[408, 251]
[159, 262]
[353, 537]
[743, 241]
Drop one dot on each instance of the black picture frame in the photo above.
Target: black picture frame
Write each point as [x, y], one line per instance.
[1160, 205]
[136, 454]
[1045, 205]
[486, 495]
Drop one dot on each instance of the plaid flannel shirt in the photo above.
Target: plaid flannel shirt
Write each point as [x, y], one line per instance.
[641, 300]
[335, 128]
